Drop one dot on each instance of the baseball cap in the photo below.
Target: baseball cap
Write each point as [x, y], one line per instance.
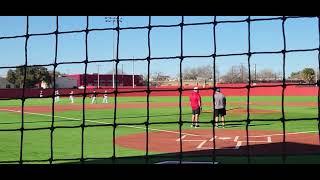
[218, 89]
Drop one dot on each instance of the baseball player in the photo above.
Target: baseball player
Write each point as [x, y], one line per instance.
[57, 97]
[105, 97]
[94, 96]
[71, 97]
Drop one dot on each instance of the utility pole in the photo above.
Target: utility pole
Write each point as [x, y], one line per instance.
[133, 72]
[213, 75]
[241, 72]
[255, 72]
[218, 76]
[112, 19]
[232, 74]
[316, 76]
[98, 76]
[122, 74]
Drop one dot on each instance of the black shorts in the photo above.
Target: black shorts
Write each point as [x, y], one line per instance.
[196, 111]
[221, 112]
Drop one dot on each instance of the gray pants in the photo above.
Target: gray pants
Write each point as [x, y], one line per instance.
[71, 99]
[93, 100]
[105, 99]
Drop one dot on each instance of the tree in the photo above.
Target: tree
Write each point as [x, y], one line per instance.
[296, 75]
[12, 78]
[236, 74]
[189, 74]
[34, 75]
[266, 74]
[202, 72]
[145, 79]
[308, 75]
[157, 77]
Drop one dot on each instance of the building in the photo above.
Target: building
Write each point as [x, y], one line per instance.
[66, 82]
[5, 84]
[106, 79]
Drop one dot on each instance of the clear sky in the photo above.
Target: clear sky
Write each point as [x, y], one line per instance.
[197, 40]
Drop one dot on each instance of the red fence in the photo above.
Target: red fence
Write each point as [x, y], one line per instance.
[173, 91]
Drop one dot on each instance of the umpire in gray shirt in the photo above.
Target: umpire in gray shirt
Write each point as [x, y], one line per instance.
[219, 107]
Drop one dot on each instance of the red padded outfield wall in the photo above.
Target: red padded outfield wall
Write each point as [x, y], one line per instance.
[173, 91]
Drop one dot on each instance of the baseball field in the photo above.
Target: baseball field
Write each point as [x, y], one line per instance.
[265, 135]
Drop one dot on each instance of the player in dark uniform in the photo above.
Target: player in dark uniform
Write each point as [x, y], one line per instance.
[219, 106]
[94, 97]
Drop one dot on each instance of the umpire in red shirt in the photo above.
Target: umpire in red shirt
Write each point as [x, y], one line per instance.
[195, 103]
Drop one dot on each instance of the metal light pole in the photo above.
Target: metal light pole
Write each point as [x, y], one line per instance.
[122, 74]
[316, 76]
[133, 72]
[232, 74]
[255, 72]
[241, 72]
[213, 75]
[98, 76]
[112, 19]
[218, 76]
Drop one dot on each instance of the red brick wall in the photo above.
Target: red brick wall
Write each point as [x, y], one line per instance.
[258, 91]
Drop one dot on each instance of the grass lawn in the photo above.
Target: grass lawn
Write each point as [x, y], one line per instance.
[98, 141]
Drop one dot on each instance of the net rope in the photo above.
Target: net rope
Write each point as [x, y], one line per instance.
[148, 90]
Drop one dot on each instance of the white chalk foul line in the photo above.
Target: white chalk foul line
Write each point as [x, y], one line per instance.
[224, 138]
[215, 137]
[100, 122]
[48, 115]
[159, 130]
[280, 134]
[238, 144]
[236, 139]
[201, 144]
[186, 162]
[181, 138]
[269, 139]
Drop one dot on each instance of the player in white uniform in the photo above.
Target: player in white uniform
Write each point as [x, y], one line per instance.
[57, 97]
[71, 97]
[105, 97]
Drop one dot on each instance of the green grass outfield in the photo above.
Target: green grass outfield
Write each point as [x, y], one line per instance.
[98, 140]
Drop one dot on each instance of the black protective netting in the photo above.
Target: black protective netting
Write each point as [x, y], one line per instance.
[148, 90]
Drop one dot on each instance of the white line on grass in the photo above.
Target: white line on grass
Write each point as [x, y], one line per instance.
[48, 115]
[100, 122]
[160, 130]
